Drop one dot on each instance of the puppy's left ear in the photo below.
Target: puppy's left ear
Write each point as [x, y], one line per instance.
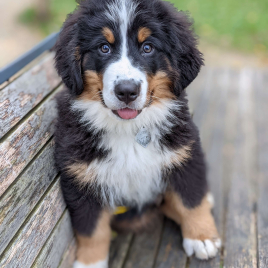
[186, 55]
[68, 58]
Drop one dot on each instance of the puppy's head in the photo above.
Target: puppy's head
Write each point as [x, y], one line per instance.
[127, 54]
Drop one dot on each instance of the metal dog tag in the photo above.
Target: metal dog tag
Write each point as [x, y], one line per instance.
[143, 137]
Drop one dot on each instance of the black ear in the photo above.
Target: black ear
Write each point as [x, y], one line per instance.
[68, 58]
[184, 42]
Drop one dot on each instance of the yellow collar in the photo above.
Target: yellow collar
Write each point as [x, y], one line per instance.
[120, 210]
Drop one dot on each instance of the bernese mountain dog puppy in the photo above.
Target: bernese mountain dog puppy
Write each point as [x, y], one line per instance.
[125, 137]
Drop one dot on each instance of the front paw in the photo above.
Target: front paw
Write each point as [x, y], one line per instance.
[203, 250]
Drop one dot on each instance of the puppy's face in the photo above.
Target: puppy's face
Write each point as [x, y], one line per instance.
[127, 54]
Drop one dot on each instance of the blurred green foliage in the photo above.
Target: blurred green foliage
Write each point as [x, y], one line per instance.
[240, 24]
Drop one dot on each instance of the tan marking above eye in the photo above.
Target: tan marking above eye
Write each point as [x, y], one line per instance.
[143, 34]
[108, 34]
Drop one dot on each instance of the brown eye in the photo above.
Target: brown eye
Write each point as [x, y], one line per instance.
[105, 49]
[147, 48]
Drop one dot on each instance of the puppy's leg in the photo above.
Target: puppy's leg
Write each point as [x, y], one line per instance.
[93, 250]
[91, 224]
[189, 204]
[200, 236]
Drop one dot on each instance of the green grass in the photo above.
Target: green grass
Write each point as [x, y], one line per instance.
[239, 24]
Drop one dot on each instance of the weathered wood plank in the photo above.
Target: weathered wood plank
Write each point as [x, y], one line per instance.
[144, 248]
[22, 145]
[202, 104]
[118, 250]
[32, 236]
[213, 138]
[171, 253]
[240, 245]
[24, 69]
[69, 256]
[21, 198]
[196, 89]
[262, 130]
[18, 98]
[58, 242]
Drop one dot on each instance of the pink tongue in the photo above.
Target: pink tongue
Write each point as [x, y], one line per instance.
[127, 113]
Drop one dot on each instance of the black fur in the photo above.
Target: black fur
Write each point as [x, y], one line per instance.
[77, 51]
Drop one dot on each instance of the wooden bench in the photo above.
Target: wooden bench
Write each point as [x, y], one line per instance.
[230, 109]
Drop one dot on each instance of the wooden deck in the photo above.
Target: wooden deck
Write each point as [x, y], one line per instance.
[230, 107]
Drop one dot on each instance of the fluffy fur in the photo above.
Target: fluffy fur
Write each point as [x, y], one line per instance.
[104, 44]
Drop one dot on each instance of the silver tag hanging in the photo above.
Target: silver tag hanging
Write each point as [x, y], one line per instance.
[143, 137]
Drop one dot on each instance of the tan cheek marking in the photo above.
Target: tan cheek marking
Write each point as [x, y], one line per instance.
[143, 34]
[182, 155]
[160, 87]
[82, 174]
[95, 248]
[108, 34]
[197, 223]
[93, 86]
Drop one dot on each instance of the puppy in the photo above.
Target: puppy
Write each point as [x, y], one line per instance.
[124, 135]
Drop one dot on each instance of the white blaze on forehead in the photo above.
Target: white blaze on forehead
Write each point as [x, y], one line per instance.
[123, 12]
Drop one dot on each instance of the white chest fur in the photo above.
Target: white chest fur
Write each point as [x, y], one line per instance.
[130, 174]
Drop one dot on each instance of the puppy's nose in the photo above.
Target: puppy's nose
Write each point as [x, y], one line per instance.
[127, 91]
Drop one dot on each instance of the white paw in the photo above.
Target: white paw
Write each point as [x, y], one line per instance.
[100, 264]
[202, 249]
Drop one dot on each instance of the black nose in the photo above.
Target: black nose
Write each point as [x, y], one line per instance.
[127, 91]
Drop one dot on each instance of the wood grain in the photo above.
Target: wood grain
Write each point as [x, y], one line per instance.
[69, 256]
[21, 198]
[18, 98]
[213, 142]
[119, 249]
[144, 248]
[240, 247]
[31, 237]
[57, 244]
[262, 202]
[171, 253]
[17, 150]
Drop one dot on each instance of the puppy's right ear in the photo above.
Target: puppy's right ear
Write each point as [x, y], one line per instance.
[68, 57]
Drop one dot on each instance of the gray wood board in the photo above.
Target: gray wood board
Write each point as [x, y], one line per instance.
[21, 198]
[212, 140]
[22, 95]
[262, 202]
[171, 253]
[57, 244]
[119, 249]
[240, 246]
[18, 149]
[30, 239]
[144, 248]
[69, 256]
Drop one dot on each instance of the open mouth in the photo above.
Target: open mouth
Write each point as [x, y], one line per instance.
[127, 113]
